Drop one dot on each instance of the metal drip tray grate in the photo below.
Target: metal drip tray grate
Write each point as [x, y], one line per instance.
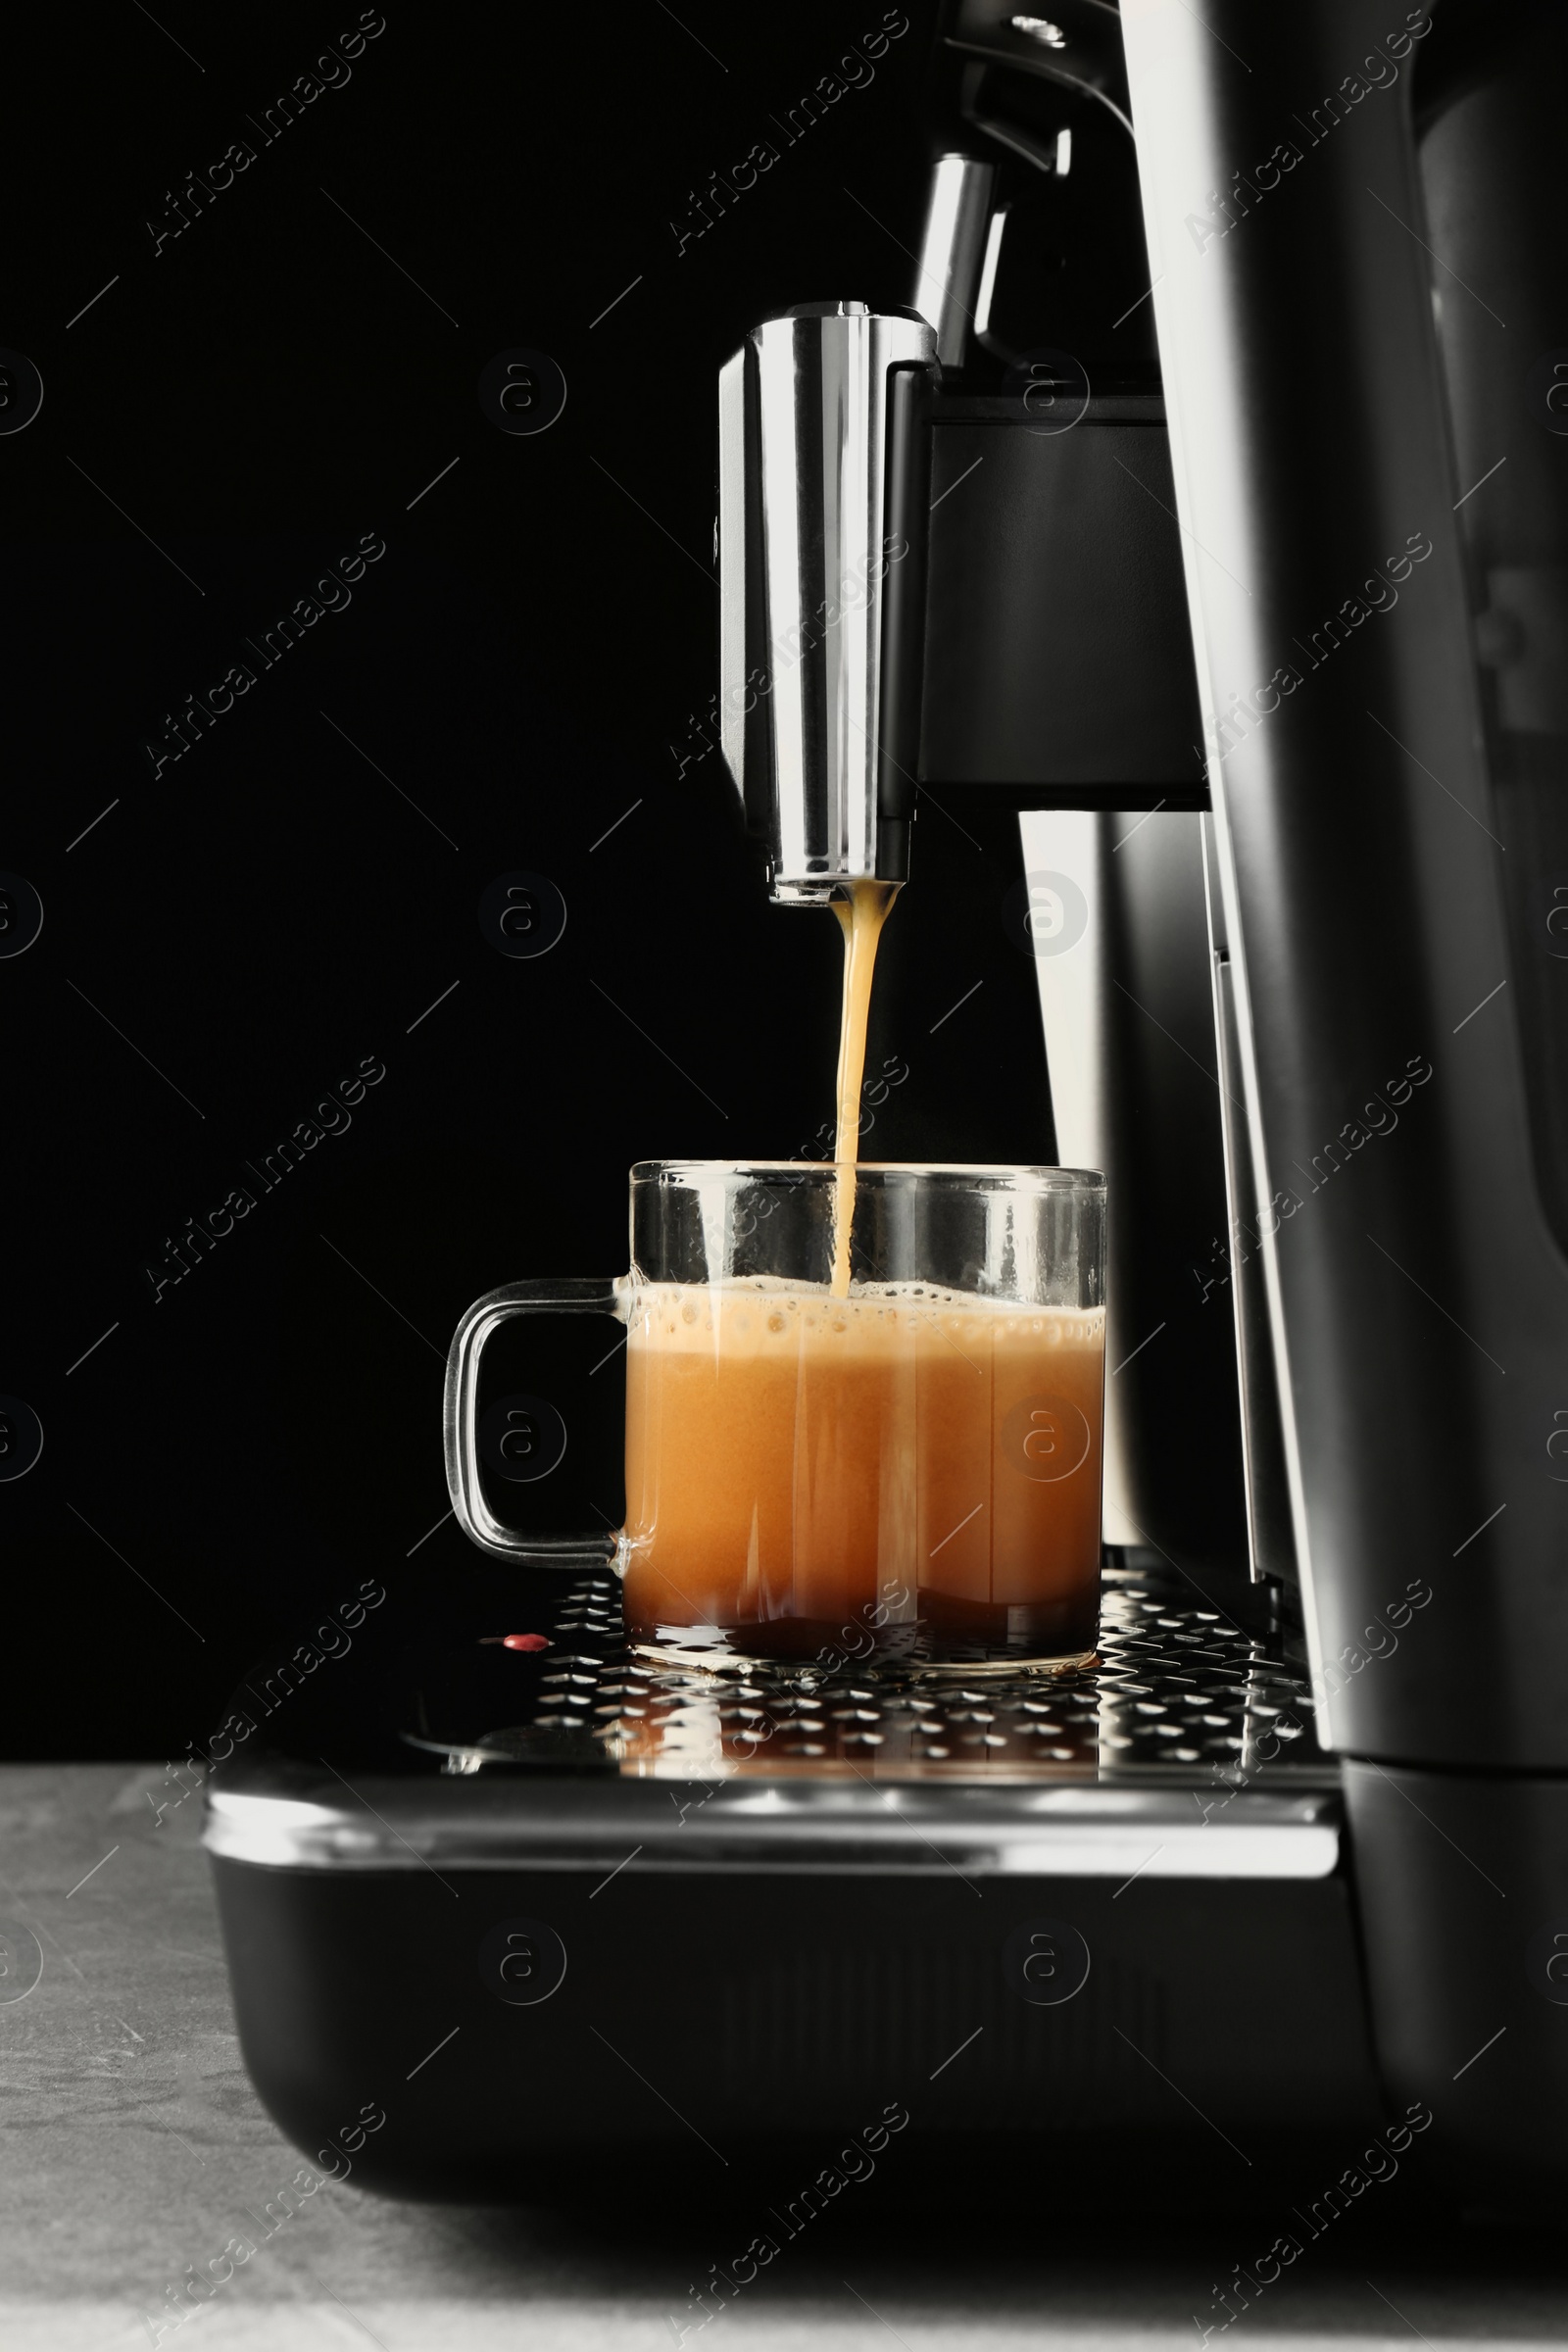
[1174, 1689]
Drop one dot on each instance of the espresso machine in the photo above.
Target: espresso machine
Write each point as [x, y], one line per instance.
[1190, 545]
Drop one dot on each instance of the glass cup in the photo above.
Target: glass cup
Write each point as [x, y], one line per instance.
[914, 1467]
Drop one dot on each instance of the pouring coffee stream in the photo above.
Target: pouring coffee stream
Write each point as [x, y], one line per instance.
[861, 912]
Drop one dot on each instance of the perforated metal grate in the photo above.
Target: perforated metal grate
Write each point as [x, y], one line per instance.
[1175, 1688]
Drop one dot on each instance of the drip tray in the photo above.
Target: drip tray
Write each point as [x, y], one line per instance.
[1182, 1746]
[534, 1902]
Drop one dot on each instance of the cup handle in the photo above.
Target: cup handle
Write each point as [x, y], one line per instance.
[461, 1417]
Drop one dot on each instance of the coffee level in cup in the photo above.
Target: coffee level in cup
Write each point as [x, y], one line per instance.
[797, 1462]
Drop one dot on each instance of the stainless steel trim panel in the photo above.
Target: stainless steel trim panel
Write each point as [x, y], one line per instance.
[1209, 1831]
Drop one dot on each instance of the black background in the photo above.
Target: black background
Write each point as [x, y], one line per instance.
[241, 929]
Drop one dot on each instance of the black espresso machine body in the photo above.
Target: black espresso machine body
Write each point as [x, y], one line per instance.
[1212, 631]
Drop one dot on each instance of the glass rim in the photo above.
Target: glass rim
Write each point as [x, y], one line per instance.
[959, 1173]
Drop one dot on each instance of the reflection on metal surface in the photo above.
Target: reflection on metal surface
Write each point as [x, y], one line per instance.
[953, 250]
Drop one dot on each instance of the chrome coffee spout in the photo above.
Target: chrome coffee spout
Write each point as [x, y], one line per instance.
[824, 491]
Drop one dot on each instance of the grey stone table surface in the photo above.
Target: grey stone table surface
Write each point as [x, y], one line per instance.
[131, 2145]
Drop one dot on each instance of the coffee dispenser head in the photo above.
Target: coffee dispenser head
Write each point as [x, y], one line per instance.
[823, 492]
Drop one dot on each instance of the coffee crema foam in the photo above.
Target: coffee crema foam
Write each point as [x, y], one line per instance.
[758, 1308]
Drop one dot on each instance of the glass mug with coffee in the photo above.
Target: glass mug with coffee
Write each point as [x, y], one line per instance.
[862, 1403]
